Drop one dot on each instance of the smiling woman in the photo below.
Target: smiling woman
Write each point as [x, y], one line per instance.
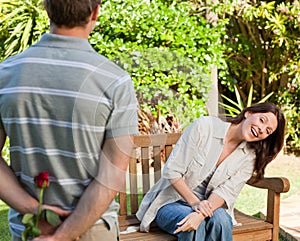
[206, 171]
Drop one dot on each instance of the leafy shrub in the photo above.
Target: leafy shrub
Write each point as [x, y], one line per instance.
[168, 49]
[263, 51]
[291, 106]
[22, 24]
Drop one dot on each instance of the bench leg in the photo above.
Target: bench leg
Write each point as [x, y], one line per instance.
[273, 212]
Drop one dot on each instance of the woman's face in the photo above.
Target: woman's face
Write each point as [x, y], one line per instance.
[258, 126]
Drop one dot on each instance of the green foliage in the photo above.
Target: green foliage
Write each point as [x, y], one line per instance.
[168, 81]
[263, 42]
[291, 107]
[168, 49]
[263, 51]
[22, 24]
[5, 151]
[234, 108]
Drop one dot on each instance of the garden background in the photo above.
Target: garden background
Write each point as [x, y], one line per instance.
[170, 48]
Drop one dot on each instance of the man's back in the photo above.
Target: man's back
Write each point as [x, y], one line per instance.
[70, 112]
[59, 101]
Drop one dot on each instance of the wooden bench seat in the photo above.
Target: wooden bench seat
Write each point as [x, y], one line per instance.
[145, 166]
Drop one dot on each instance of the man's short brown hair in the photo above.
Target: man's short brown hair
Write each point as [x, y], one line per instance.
[70, 13]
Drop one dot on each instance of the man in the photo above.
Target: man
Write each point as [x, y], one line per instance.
[70, 112]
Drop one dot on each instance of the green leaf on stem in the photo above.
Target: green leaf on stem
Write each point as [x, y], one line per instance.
[28, 219]
[35, 232]
[25, 233]
[51, 217]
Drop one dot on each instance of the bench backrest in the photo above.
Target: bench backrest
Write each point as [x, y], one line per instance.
[149, 154]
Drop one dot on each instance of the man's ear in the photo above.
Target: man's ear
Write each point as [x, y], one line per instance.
[95, 13]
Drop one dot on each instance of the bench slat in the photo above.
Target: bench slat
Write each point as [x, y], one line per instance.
[154, 235]
[156, 140]
[133, 185]
[157, 162]
[249, 223]
[145, 169]
[123, 203]
[251, 229]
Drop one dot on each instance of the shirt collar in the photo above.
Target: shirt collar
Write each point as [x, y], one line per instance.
[67, 42]
[221, 131]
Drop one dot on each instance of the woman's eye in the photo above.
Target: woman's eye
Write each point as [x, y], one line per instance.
[262, 120]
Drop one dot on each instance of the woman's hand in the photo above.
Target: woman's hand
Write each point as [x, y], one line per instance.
[204, 207]
[190, 223]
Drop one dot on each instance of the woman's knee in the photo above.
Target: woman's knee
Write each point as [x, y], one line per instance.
[169, 215]
[221, 219]
[186, 236]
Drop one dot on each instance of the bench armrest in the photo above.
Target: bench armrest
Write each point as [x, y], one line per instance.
[276, 184]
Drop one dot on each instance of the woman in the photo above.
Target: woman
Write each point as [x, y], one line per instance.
[206, 171]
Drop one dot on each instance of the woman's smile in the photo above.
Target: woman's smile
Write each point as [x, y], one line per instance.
[254, 132]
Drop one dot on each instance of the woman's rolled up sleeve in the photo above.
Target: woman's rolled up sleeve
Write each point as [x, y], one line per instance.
[230, 189]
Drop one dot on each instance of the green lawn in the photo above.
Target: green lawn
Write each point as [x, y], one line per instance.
[252, 200]
[4, 231]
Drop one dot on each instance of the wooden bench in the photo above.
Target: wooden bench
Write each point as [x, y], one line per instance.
[150, 153]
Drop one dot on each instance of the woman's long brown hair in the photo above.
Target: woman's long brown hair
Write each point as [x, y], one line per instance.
[266, 150]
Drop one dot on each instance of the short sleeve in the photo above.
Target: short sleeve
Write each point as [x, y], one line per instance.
[124, 119]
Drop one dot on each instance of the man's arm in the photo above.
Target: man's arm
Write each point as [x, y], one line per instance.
[11, 192]
[100, 193]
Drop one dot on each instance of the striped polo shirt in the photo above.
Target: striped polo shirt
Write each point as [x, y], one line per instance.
[59, 100]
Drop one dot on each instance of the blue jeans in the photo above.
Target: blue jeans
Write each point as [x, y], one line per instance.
[216, 228]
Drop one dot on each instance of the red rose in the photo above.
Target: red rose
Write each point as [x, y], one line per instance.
[42, 180]
[30, 220]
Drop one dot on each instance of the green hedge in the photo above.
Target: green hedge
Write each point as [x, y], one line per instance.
[263, 52]
[168, 49]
